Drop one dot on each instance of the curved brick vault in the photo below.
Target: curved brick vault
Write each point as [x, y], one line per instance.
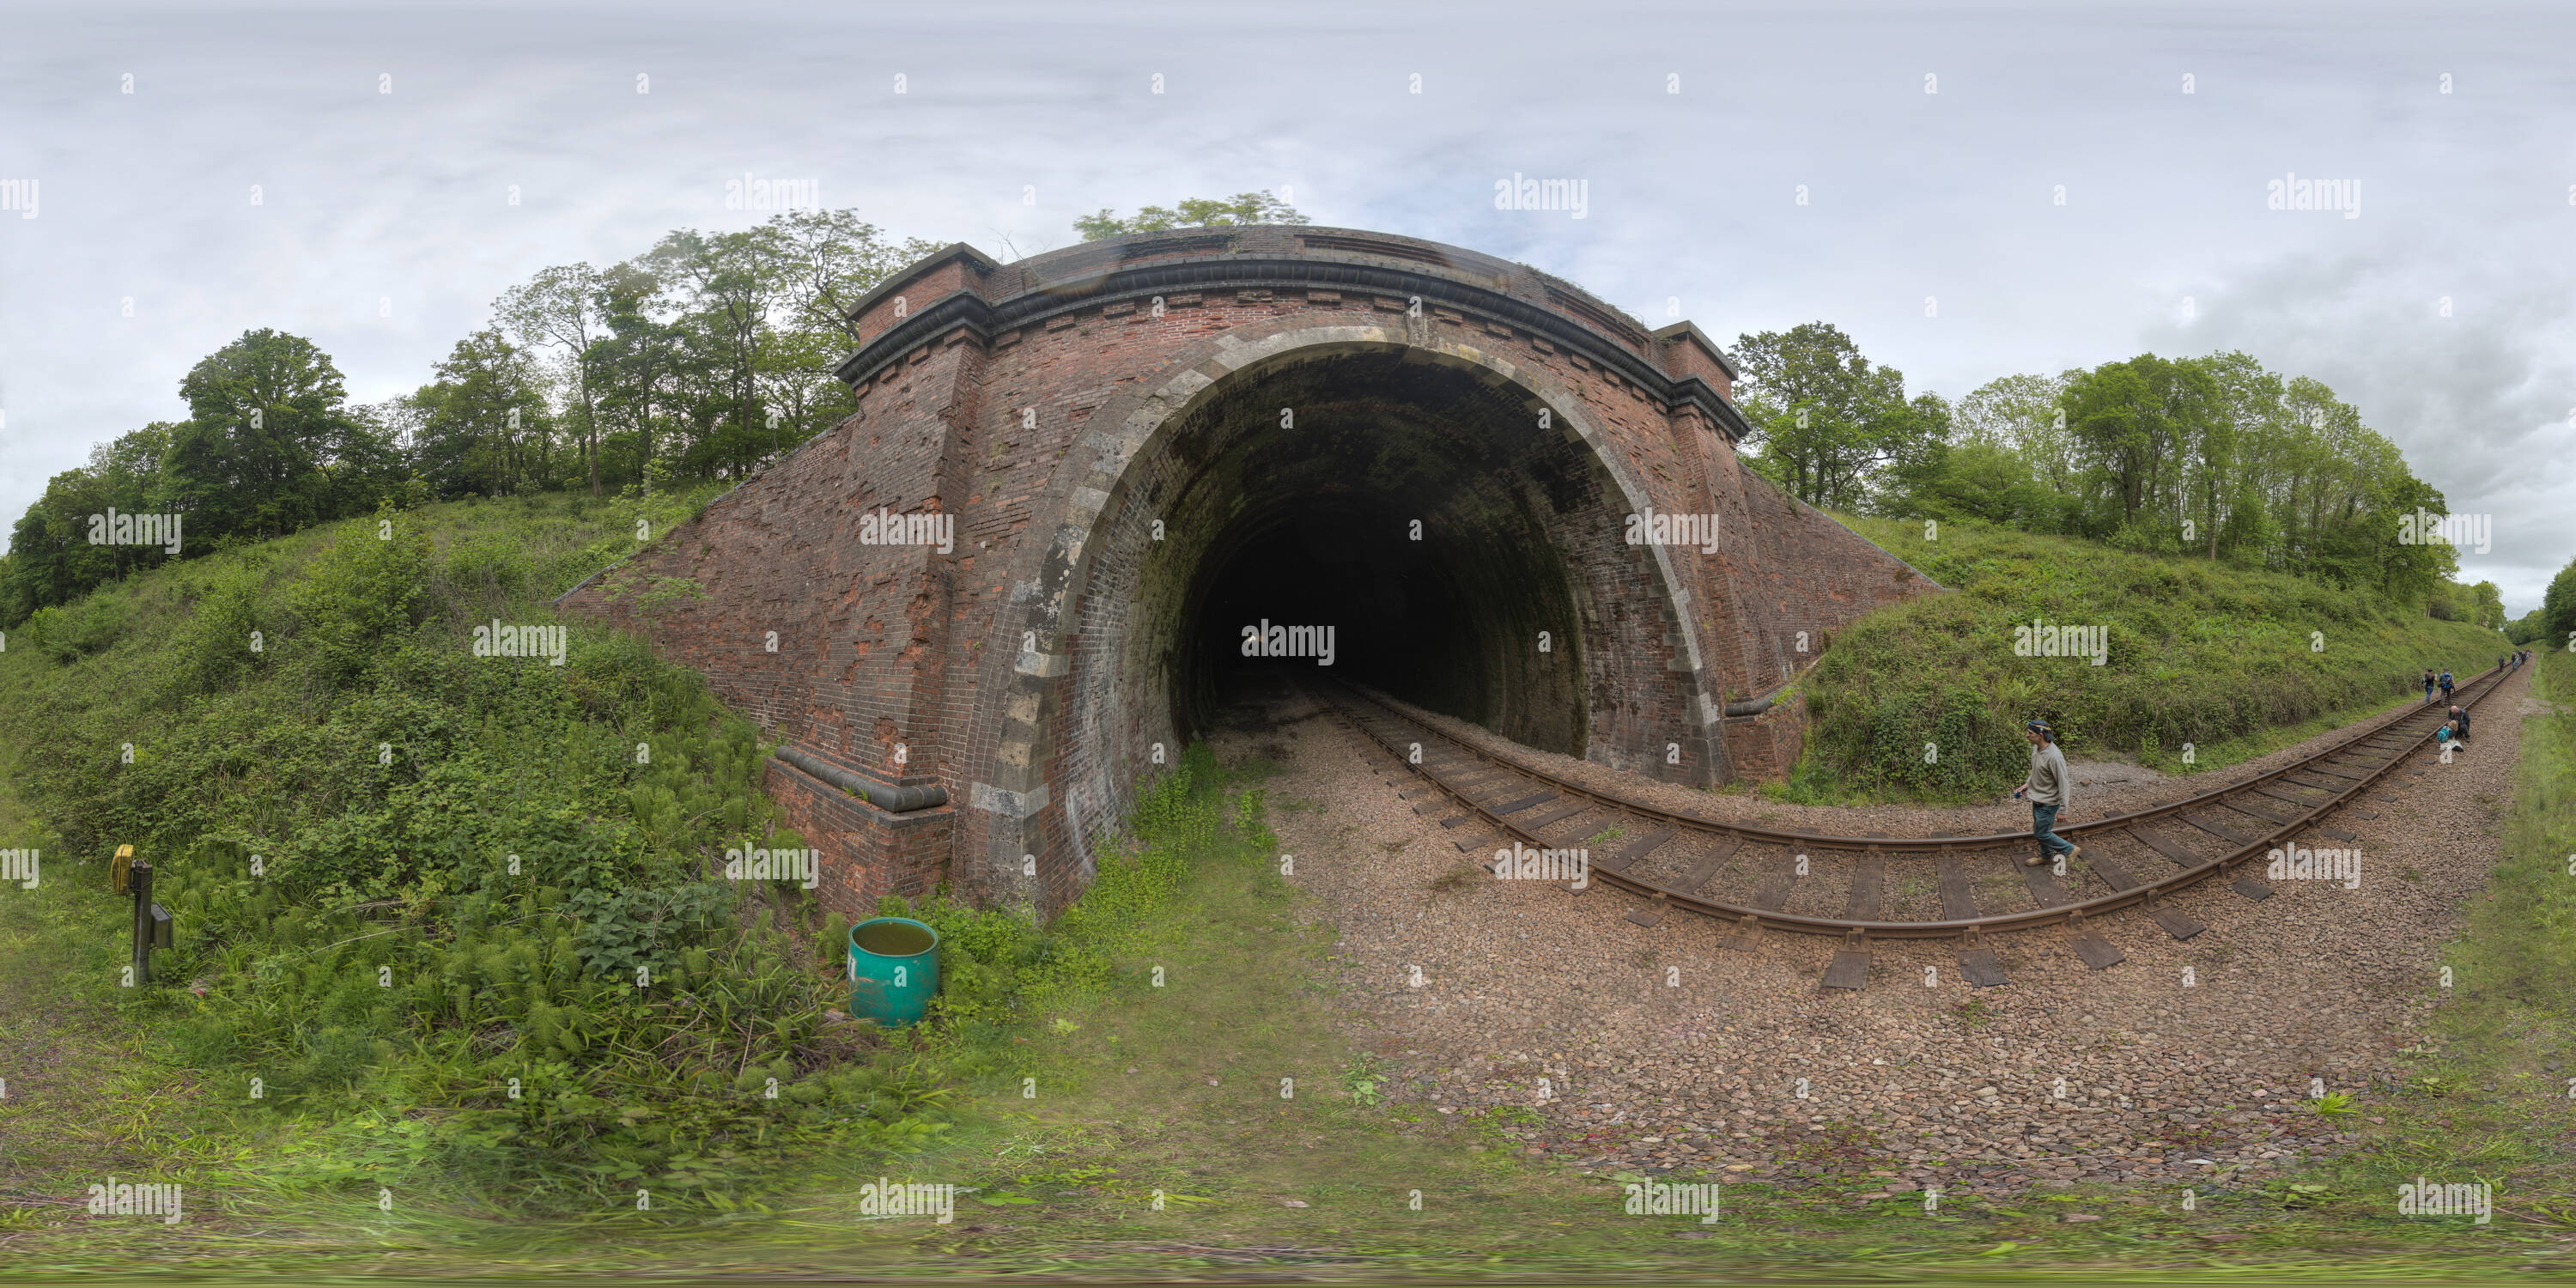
[1145, 444]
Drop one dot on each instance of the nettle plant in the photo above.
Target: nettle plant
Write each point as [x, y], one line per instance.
[476, 901]
[580, 1041]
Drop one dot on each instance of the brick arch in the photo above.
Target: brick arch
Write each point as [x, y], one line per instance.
[1061, 687]
[1016, 398]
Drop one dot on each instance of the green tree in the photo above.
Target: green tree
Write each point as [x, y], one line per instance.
[483, 425]
[560, 309]
[2023, 415]
[2558, 610]
[2134, 425]
[1973, 479]
[50, 558]
[726, 284]
[2525, 630]
[270, 445]
[2488, 602]
[1825, 419]
[828, 260]
[1198, 212]
[638, 358]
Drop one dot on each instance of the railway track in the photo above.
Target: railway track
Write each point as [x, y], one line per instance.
[1867, 887]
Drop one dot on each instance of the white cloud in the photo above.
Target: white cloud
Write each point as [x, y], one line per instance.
[1910, 194]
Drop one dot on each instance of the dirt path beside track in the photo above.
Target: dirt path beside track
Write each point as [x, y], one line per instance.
[1651, 1049]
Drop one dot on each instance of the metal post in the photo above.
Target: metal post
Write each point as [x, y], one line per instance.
[139, 880]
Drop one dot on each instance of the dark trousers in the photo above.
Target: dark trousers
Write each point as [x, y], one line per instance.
[2043, 825]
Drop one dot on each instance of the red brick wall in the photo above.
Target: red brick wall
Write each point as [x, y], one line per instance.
[1017, 401]
[1767, 746]
[867, 853]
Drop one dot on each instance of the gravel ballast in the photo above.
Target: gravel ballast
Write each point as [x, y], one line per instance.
[1651, 1049]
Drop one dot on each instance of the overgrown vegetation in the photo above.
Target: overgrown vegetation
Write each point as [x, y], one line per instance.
[2521, 950]
[2214, 457]
[995, 967]
[1928, 697]
[460, 916]
[470, 895]
[1176, 1090]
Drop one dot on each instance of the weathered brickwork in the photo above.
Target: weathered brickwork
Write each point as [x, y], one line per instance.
[1768, 745]
[1058, 407]
[867, 852]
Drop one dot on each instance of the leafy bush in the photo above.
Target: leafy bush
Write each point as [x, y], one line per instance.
[363, 593]
[2198, 654]
[409, 881]
[71, 632]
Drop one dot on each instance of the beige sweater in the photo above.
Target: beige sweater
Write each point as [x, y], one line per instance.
[2047, 782]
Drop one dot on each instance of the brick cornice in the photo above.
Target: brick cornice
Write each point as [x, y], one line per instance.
[984, 319]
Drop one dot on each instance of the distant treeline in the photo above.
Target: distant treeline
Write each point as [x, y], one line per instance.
[710, 355]
[706, 357]
[2213, 457]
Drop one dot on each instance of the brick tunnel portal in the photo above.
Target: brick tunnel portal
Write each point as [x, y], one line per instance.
[1414, 510]
[1145, 445]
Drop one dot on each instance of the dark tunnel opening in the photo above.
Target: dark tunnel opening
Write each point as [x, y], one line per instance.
[1405, 517]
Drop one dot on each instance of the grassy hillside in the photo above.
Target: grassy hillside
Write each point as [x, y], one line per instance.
[400, 1091]
[410, 882]
[2202, 660]
[440, 907]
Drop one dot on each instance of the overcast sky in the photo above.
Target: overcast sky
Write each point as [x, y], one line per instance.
[1931, 229]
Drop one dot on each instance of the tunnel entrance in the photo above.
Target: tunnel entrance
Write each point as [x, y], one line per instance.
[1381, 514]
[1381, 521]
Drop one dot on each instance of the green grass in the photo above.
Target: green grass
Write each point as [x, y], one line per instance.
[446, 923]
[2206, 666]
[1062, 1182]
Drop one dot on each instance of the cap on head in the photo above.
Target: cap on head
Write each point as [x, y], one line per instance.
[2041, 728]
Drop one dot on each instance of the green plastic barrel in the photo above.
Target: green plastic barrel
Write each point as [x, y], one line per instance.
[894, 970]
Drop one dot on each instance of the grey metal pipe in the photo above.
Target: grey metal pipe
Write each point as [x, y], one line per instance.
[896, 800]
[1756, 706]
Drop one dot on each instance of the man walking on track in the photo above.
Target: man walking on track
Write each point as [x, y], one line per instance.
[2446, 688]
[2428, 686]
[2047, 791]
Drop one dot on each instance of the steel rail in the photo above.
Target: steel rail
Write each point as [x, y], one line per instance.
[1982, 841]
[2036, 918]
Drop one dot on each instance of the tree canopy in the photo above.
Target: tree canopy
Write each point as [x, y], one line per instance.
[706, 356]
[1197, 212]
